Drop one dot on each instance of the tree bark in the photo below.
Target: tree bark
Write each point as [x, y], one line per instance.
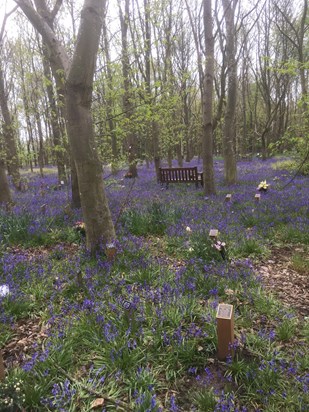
[127, 96]
[208, 164]
[5, 193]
[78, 78]
[57, 132]
[9, 135]
[109, 100]
[230, 167]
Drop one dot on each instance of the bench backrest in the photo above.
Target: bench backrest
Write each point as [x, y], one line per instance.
[178, 174]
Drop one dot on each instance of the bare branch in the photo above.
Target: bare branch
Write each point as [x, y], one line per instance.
[6, 16]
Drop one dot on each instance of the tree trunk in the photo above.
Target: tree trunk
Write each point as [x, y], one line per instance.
[78, 77]
[109, 100]
[57, 133]
[75, 202]
[229, 131]
[5, 194]
[127, 96]
[40, 143]
[170, 157]
[95, 209]
[99, 225]
[9, 135]
[208, 164]
[179, 155]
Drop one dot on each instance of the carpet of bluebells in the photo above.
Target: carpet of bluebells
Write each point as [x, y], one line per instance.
[139, 333]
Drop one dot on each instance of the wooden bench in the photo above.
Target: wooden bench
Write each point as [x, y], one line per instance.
[180, 175]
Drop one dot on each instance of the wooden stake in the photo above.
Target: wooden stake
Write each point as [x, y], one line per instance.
[110, 251]
[228, 197]
[225, 330]
[2, 371]
[257, 197]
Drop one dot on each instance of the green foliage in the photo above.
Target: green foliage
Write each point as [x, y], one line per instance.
[22, 229]
[249, 247]
[291, 234]
[205, 400]
[13, 228]
[153, 220]
[20, 308]
[295, 142]
[201, 246]
[12, 396]
[300, 263]
[287, 329]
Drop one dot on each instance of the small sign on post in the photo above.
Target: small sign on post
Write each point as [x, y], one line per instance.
[257, 197]
[228, 197]
[213, 233]
[111, 251]
[225, 330]
[2, 371]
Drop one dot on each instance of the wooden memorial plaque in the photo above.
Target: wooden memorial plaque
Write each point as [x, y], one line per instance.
[225, 330]
[228, 197]
[2, 371]
[257, 197]
[213, 233]
[110, 251]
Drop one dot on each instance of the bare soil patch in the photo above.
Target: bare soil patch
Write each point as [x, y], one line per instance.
[289, 286]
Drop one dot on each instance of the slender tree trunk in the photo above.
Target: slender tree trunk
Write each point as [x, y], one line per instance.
[57, 133]
[109, 100]
[229, 131]
[179, 155]
[59, 64]
[208, 164]
[170, 157]
[9, 135]
[40, 143]
[127, 96]
[30, 145]
[5, 193]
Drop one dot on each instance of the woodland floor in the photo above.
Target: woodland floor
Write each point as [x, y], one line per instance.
[289, 286]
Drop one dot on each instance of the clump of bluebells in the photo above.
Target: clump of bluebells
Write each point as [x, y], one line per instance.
[62, 396]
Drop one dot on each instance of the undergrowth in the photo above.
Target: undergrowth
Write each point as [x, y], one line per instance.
[140, 331]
